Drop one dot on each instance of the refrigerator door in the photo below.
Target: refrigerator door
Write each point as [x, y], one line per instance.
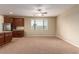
[7, 26]
[1, 27]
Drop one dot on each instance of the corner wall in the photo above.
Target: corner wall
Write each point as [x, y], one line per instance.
[68, 26]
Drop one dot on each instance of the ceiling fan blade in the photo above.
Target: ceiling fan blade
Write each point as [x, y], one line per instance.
[44, 13]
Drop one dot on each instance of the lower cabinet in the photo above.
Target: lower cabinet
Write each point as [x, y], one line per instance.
[7, 37]
[18, 33]
[1, 38]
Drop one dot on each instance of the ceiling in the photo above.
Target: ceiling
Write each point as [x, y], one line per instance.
[31, 9]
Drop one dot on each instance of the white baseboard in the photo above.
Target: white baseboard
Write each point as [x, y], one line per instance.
[69, 41]
[40, 35]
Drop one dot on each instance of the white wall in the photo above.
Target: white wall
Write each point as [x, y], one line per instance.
[1, 22]
[1, 19]
[51, 27]
[68, 25]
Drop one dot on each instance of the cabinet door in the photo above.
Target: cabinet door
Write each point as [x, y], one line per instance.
[18, 33]
[8, 19]
[18, 21]
[8, 37]
[1, 38]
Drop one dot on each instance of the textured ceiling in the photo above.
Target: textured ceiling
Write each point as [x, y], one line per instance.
[31, 9]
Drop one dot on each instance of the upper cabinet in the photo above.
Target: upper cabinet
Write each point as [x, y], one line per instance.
[8, 19]
[14, 21]
[18, 21]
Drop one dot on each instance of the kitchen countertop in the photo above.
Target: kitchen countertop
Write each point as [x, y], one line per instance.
[5, 31]
[9, 31]
[18, 30]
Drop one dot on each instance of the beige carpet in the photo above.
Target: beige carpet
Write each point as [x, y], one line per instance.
[38, 45]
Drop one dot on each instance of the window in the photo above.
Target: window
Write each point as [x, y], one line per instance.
[39, 24]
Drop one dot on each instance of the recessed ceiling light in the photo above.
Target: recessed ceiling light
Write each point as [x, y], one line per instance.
[10, 12]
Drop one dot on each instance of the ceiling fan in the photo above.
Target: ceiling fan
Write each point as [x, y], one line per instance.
[40, 12]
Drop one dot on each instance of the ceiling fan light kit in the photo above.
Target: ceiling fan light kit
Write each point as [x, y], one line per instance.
[40, 12]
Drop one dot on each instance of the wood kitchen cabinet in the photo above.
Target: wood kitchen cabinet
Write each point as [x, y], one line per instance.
[7, 37]
[15, 24]
[14, 21]
[18, 22]
[8, 19]
[18, 33]
[1, 38]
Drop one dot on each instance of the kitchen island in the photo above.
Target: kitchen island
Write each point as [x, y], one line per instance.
[5, 37]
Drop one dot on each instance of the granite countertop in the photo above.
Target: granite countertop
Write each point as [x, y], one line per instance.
[5, 31]
[18, 30]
